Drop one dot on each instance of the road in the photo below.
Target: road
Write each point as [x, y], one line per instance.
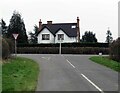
[73, 73]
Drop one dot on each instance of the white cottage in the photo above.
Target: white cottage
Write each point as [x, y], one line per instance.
[58, 32]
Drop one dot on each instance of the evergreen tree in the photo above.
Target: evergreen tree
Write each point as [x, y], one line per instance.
[33, 35]
[89, 37]
[17, 26]
[3, 28]
[109, 38]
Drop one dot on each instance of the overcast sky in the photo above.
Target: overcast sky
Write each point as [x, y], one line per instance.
[95, 15]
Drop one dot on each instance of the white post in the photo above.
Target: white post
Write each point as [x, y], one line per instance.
[100, 54]
[60, 47]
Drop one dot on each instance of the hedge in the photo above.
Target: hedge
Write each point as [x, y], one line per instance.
[5, 49]
[65, 50]
[11, 45]
[0, 47]
[115, 50]
[106, 45]
[84, 50]
[37, 50]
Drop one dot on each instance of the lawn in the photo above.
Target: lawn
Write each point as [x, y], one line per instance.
[19, 74]
[106, 62]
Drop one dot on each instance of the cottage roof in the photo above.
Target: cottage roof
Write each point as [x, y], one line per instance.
[69, 28]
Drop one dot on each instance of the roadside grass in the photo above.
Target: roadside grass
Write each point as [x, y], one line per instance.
[19, 74]
[0, 75]
[106, 62]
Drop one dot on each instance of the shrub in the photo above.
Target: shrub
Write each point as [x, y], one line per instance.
[5, 49]
[115, 50]
[11, 44]
[0, 48]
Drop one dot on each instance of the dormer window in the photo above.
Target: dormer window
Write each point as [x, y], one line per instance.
[73, 26]
[60, 36]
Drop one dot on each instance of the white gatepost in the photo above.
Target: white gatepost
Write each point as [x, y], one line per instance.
[60, 48]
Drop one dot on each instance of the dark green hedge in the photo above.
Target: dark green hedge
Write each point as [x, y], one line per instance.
[84, 50]
[115, 50]
[38, 50]
[65, 50]
[11, 45]
[5, 49]
[66, 45]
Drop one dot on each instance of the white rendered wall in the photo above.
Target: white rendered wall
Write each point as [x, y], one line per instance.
[45, 31]
[66, 38]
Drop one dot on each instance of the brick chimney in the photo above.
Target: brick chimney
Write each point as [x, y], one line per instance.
[78, 30]
[40, 25]
[49, 22]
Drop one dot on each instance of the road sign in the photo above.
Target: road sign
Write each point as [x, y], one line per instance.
[15, 36]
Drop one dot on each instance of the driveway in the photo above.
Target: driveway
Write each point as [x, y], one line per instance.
[73, 73]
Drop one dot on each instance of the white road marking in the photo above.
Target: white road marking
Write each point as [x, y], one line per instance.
[47, 58]
[62, 55]
[70, 63]
[92, 83]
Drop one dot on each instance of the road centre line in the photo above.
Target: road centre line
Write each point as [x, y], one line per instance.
[92, 83]
[70, 63]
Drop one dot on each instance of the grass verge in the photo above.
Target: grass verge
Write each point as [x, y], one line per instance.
[0, 75]
[19, 74]
[106, 62]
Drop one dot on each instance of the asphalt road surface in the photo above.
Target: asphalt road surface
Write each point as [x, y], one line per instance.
[73, 73]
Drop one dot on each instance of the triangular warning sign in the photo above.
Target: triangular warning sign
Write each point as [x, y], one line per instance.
[15, 35]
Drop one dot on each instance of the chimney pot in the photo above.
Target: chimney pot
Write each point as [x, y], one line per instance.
[78, 30]
[40, 25]
[49, 22]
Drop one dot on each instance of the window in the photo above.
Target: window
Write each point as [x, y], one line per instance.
[61, 36]
[45, 37]
[73, 26]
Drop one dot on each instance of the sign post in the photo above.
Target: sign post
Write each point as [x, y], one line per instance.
[60, 46]
[15, 37]
[60, 49]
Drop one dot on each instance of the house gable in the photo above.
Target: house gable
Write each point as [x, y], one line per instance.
[45, 27]
[62, 31]
[65, 36]
[45, 31]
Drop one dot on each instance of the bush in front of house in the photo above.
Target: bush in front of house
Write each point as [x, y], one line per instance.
[84, 50]
[5, 49]
[106, 45]
[37, 50]
[65, 50]
[115, 50]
